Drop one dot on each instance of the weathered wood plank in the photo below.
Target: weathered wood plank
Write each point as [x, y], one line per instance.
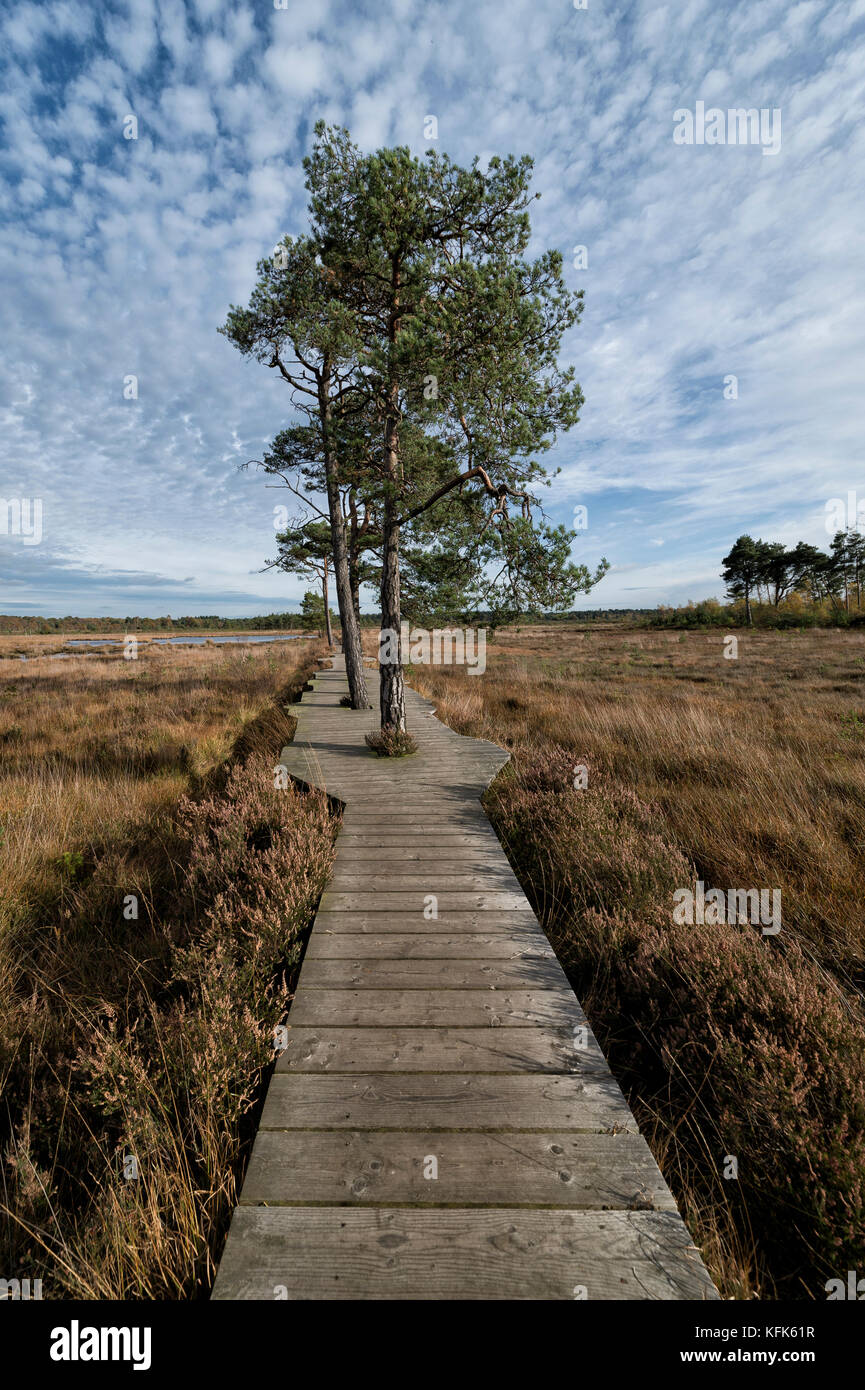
[399, 1253]
[428, 879]
[441, 1050]
[448, 920]
[331, 945]
[436, 1008]
[397, 840]
[380, 822]
[407, 1101]
[562, 1169]
[385, 901]
[462, 858]
[381, 973]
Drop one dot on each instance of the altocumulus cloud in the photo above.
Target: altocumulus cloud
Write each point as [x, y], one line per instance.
[119, 258]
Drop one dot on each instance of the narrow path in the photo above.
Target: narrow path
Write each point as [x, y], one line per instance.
[443, 1123]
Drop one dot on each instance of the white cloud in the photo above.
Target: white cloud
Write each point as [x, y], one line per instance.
[295, 69]
[132, 39]
[189, 110]
[121, 257]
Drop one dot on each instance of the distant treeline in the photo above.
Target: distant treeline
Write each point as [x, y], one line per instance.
[268, 622]
[825, 583]
[796, 610]
[485, 619]
[278, 622]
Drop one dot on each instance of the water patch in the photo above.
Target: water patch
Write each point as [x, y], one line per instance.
[186, 641]
[234, 637]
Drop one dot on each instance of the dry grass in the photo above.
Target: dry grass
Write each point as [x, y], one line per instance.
[757, 764]
[390, 743]
[743, 773]
[143, 1030]
[93, 744]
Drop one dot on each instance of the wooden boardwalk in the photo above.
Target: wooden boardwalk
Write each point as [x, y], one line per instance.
[442, 1124]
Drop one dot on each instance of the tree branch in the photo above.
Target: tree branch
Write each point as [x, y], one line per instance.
[501, 492]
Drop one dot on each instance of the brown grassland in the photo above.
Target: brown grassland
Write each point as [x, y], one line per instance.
[746, 773]
[155, 887]
[148, 1036]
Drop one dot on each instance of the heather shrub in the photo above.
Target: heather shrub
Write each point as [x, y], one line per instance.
[255, 860]
[728, 1043]
[605, 835]
[133, 1051]
[180, 1078]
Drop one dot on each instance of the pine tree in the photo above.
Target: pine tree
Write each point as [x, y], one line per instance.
[292, 326]
[305, 550]
[742, 571]
[449, 324]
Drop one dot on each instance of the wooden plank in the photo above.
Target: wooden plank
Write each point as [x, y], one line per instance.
[561, 1169]
[407, 1101]
[382, 973]
[368, 803]
[436, 1008]
[419, 801]
[441, 1050]
[431, 879]
[380, 821]
[329, 945]
[437, 841]
[334, 901]
[439, 870]
[449, 920]
[463, 858]
[445, 833]
[401, 1253]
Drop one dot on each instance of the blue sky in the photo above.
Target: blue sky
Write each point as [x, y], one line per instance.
[120, 257]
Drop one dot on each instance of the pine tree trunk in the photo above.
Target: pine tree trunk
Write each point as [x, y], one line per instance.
[748, 616]
[351, 645]
[354, 571]
[392, 686]
[350, 624]
[328, 628]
